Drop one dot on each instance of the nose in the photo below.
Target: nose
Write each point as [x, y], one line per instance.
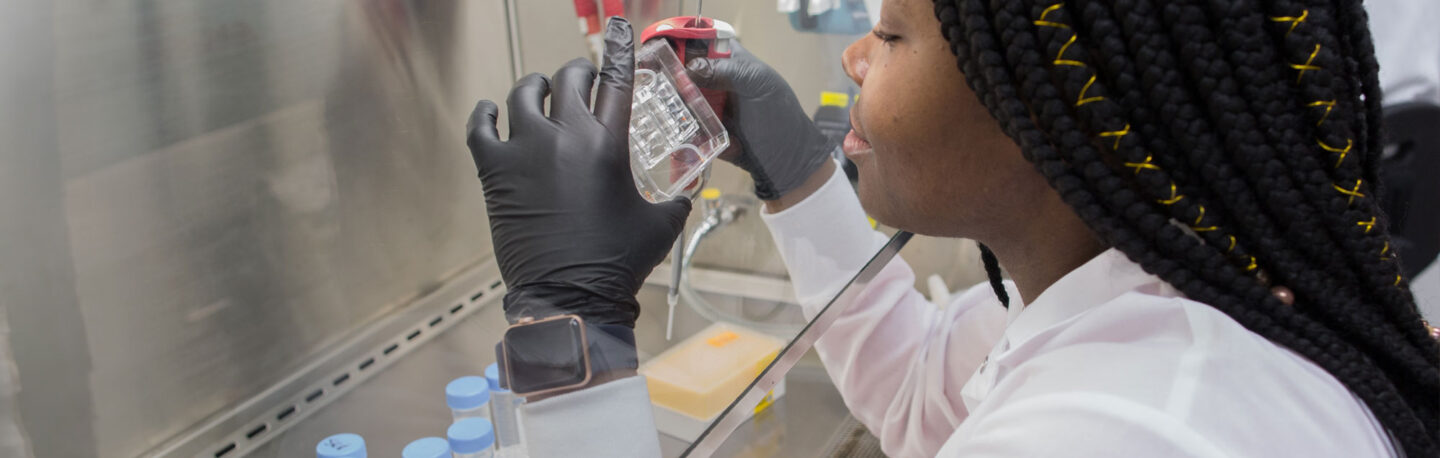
[856, 59]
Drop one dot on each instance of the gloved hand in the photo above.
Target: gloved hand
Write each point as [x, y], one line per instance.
[778, 143]
[571, 233]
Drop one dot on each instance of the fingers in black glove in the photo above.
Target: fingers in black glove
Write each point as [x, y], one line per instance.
[571, 233]
[572, 89]
[779, 144]
[617, 75]
[741, 74]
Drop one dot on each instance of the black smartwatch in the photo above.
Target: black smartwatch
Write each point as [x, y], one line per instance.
[539, 356]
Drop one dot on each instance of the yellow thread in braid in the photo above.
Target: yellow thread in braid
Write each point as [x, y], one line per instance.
[1175, 196]
[1343, 151]
[1143, 164]
[1060, 56]
[1119, 134]
[1232, 245]
[1294, 21]
[1083, 100]
[1385, 249]
[1307, 65]
[1196, 226]
[1252, 265]
[1397, 280]
[1328, 104]
[1044, 23]
[1368, 225]
[1353, 193]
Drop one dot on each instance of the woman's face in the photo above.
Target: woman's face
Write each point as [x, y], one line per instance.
[931, 158]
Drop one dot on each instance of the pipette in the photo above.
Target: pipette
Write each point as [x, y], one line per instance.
[691, 37]
[672, 297]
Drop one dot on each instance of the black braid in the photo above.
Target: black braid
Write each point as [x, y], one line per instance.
[992, 270]
[1380, 272]
[1226, 146]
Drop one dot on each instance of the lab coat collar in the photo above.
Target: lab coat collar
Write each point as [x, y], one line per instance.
[1101, 279]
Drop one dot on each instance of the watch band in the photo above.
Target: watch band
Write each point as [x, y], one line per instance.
[612, 347]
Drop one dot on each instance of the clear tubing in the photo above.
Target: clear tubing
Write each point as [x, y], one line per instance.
[691, 297]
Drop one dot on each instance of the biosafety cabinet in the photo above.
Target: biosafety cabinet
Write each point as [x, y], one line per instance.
[233, 228]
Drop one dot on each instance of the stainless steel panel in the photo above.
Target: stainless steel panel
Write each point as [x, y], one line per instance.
[208, 194]
[363, 355]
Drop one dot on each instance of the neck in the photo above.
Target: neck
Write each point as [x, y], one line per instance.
[1041, 250]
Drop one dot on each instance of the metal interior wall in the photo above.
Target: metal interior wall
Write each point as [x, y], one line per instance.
[200, 196]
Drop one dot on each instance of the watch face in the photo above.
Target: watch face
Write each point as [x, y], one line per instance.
[546, 355]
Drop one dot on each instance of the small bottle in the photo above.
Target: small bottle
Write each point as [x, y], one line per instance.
[429, 447]
[341, 446]
[472, 438]
[468, 397]
[504, 412]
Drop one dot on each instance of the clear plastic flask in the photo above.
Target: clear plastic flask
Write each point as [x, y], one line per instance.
[674, 134]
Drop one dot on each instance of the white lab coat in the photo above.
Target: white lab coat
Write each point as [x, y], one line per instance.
[1109, 361]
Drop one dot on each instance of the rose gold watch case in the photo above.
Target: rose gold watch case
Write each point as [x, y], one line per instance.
[584, 355]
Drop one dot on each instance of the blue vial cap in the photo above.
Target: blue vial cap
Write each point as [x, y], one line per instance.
[492, 374]
[341, 446]
[467, 392]
[471, 435]
[429, 447]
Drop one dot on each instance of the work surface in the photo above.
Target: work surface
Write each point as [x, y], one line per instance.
[407, 402]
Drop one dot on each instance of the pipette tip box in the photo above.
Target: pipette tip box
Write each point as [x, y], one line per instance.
[691, 383]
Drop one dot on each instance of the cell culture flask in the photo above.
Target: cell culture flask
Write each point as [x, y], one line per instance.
[674, 134]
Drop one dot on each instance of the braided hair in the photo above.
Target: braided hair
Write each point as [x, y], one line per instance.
[1229, 147]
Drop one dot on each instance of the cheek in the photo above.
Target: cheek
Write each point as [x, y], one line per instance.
[938, 154]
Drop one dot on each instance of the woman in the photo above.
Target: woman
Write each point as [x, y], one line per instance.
[1182, 192]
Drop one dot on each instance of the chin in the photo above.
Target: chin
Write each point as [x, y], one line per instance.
[881, 203]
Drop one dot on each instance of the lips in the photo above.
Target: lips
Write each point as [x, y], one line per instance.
[855, 144]
[855, 147]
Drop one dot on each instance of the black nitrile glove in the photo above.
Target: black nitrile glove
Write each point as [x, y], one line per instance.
[778, 144]
[571, 233]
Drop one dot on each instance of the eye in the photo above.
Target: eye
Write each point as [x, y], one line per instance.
[885, 37]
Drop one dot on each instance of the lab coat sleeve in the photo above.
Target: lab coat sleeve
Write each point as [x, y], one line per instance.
[898, 360]
[602, 421]
[1079, 424]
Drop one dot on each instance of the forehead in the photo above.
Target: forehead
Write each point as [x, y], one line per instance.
[905, 7]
